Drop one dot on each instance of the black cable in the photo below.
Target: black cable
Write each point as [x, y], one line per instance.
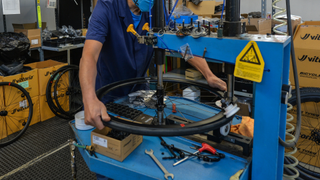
[296, 81]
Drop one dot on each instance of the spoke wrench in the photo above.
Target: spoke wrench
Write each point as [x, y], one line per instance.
[166, 173]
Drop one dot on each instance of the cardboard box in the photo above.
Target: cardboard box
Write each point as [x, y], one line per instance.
[3, 134]
[203, 8]
[45, 70]
[31, 31]
[28, 80]
[84, 32]
[45, 111]
[18, 115]
[33, 35]
[114, 148]
[29, 26]
[259, 26]
[1, 94]
[193, 74]
[94, 3]
[307, 49]
[295, 21]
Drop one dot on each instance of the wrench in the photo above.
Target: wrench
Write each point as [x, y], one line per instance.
[166, 173]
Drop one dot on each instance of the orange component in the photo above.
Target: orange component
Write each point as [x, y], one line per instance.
[146, 27]
[131, 29]
[174, 108]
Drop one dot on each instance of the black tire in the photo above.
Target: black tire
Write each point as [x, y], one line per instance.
[307, 95]
[50, 84]
[71, 89]
[7, 118]
[205, 125]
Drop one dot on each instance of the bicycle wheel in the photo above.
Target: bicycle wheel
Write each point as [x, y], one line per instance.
[204, 118]
[67, 92]
[14, 117]
[50, 95]
[309, 142]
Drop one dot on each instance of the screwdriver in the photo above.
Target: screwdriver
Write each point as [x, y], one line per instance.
[205, 147]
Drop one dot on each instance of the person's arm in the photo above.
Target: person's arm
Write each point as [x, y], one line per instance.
[201, 65]
[94, 108]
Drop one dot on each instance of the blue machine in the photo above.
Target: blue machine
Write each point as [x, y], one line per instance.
[270, 119]
[270, 114]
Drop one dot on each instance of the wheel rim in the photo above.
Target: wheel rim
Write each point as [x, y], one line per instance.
[14, 117]
[69, 97]
[207, 123]
[309, 141]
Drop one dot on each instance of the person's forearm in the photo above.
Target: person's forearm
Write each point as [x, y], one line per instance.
[201, 65]
[87, 75]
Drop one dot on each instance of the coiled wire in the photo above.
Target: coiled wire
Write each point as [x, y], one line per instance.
[281, 11]
[288, 154]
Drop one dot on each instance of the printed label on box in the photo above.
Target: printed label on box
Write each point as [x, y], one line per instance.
[24, 84]
[100, 141]
[23, 104]
[34, 41]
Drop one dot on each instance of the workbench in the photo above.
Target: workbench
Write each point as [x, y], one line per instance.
[139, 165]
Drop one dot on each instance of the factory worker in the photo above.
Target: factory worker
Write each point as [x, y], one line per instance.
[112, 54]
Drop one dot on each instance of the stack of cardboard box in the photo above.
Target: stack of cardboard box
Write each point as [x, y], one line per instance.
[16, 103]
[45, 70]
[34, 82]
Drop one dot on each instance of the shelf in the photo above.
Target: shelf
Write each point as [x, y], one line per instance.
[64, 48]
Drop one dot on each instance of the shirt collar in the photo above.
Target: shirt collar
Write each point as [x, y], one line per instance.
[123, 8]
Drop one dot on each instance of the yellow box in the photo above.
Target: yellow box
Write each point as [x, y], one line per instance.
[28, 80]
[45, 70]
[1, 94]
[45, 111]
[18, 115]
[3, 129]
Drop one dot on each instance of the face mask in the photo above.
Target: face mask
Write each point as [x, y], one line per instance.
[144, 5]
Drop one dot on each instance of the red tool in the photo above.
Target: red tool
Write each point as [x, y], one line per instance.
[205, 147]
[174, 108]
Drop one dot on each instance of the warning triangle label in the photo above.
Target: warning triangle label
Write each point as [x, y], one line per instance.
[251, 56]
[250, 63]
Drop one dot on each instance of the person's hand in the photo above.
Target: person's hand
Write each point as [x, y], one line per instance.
[216, 82]
[94, 111]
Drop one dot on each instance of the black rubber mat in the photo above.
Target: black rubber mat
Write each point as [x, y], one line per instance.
[39, 139]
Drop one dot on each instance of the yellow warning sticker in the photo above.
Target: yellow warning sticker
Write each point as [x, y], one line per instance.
[249, 63]
[38, 1]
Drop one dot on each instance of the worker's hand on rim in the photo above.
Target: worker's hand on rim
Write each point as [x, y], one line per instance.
[216, 82]
[94, 111]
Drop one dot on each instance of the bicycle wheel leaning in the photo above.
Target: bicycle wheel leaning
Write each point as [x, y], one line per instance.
[15, 112]
[204, 118]
[308, 145]
[50, 95]
[67, 92]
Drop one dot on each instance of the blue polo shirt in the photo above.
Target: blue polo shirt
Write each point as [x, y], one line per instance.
[121, 56]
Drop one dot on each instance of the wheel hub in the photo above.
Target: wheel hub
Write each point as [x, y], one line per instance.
[316, 135]
[3, 113]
